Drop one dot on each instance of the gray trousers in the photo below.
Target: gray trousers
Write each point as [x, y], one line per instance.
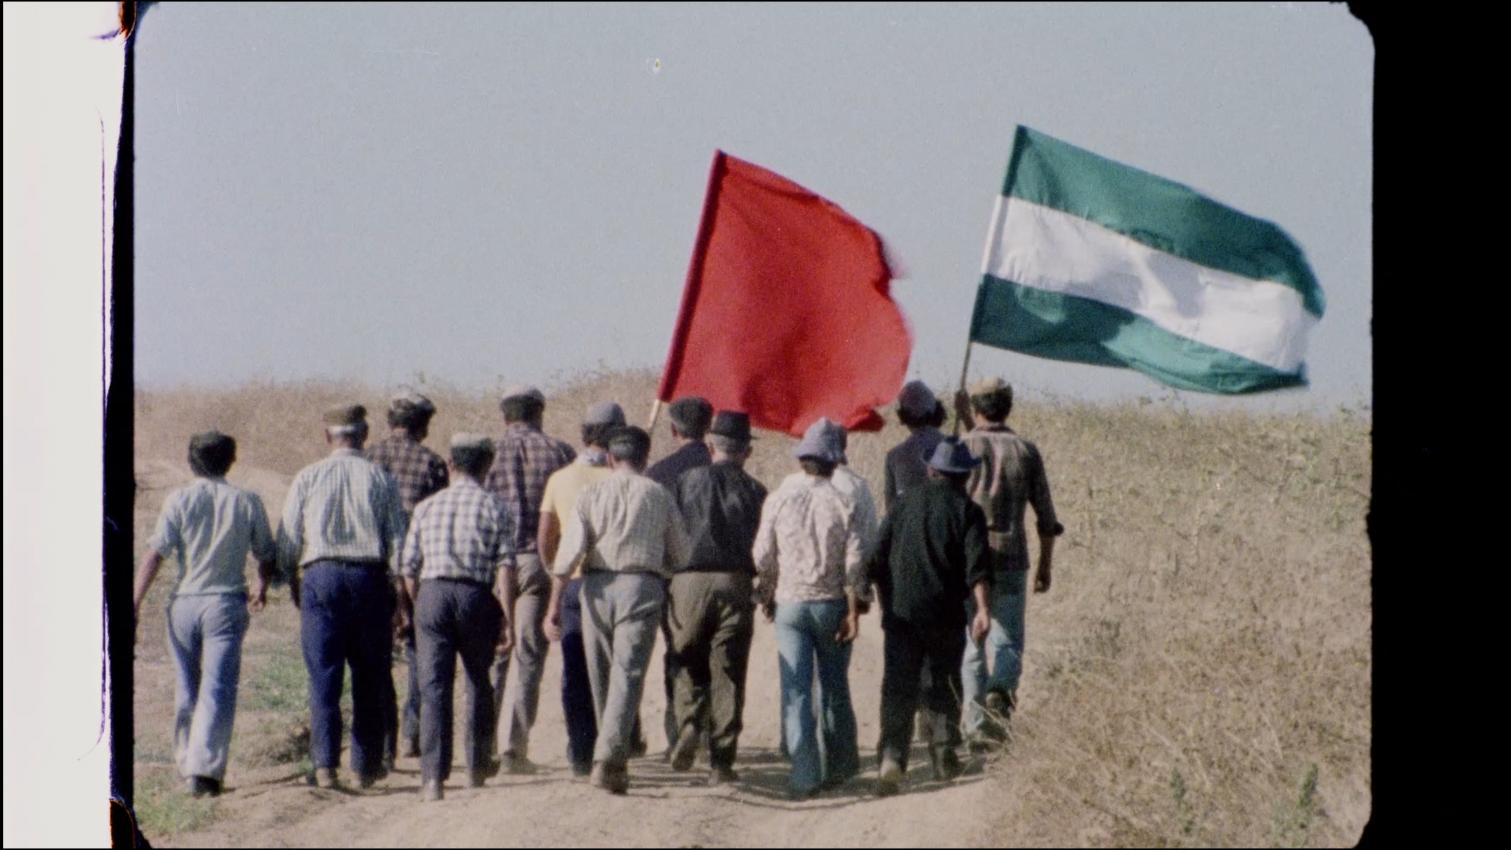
[710, 620]
[532, 592]
[620, 614]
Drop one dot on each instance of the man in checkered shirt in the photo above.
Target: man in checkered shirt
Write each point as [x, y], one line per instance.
[458, 568]
[526, 457]
[419, 472]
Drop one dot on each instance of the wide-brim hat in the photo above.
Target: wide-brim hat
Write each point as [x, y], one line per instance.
[733, 424]
[952, 457]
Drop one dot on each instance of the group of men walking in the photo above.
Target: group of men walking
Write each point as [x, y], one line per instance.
[522, 541]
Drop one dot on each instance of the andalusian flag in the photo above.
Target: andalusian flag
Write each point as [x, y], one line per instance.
[1092, 261]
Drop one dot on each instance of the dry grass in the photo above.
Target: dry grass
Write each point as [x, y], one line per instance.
[1198, 675]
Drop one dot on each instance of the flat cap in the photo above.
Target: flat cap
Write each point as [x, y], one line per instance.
[523, 391]
[916, 399]
[411, 401]
[467, 441]
[346, 416]
[604, 413]
[691, 414]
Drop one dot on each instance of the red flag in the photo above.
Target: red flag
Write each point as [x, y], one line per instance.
[787, 313]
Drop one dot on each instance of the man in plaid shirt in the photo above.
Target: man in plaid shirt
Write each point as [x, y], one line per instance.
[458, 553]
[526, 457]
[419, 472]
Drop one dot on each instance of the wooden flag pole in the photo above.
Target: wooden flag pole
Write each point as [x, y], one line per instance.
[963, 367]
[655, 414]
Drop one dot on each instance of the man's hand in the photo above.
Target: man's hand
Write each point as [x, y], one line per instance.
[980, 625]
[848, 628]
[505, 643]
[552, 624]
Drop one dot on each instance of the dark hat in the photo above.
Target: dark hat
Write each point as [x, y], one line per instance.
[951, 456]
[691, 415]
[631, 437]
[731, 423]
[345, 419]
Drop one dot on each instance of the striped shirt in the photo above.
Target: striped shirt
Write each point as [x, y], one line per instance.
[625, 523]
[462, 532]
[1009, 478]
[419, 472]
[211, 526]
[525, 460]
[344, 507]
[808, 543]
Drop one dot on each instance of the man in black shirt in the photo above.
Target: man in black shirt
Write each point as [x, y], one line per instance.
[931, 553]
[709, 614]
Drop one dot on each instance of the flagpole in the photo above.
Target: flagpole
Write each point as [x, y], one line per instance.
[986, 265]
[655, 414]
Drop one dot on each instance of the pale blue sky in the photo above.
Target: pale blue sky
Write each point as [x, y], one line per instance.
[491, 194]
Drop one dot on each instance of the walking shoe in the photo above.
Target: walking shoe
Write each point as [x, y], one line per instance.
[889, 777]
[430, 790]
[201, 786]
[684, 752]
[945, 762]
[325, 777]
[722, 775]
[519, 765]
[615, 780]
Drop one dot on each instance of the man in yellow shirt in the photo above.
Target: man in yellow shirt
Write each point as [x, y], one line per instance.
[556, 506]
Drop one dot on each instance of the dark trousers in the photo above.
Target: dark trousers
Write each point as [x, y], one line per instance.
[454, 618]
[345, 618]
[710, 617]
[909, 649]
[576, 689]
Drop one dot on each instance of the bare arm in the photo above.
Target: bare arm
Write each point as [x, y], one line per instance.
[151, 562]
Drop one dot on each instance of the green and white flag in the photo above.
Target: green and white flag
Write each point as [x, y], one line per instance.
[1092, 261]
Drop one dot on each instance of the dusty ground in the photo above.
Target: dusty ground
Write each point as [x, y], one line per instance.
[1199, 675]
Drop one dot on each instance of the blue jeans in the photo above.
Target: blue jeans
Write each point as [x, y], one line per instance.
[822, 743]
[346, 619]
[204, 635]
[1002, 650]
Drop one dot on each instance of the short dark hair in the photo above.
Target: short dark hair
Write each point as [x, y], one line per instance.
[410, 418]
[520, 408]
[472, 460]
[934, 417]
[993, 407]
[814, 466]
[631, 444]
[598, 434]
[211, 454]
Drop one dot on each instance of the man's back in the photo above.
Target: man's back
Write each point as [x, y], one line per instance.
[524, 461]
[212, 525]
[931, 549]
[1009, 478]
[721, 506]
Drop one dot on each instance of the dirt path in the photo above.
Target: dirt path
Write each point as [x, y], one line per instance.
[273, 806]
